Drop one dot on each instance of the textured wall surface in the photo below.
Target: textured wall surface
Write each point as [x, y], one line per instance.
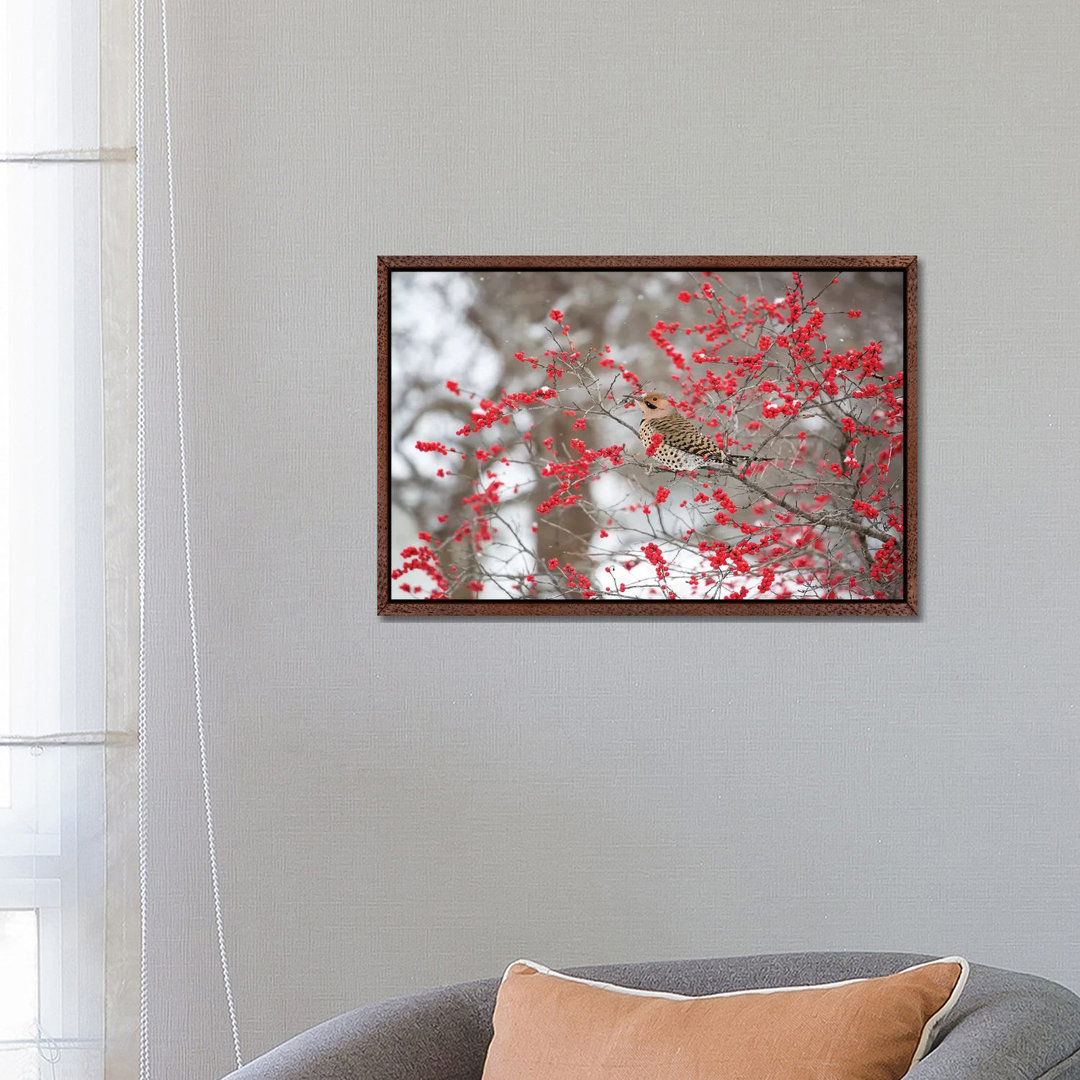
[407, 803]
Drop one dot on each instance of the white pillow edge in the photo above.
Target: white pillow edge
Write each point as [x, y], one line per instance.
[931, 1025]
[925, 1038]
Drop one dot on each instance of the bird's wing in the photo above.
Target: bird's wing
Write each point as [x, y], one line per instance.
[682, 434]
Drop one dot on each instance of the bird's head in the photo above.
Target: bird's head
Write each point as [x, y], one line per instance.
[653, 404]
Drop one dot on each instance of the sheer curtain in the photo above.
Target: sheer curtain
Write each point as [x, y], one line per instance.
[66, 498]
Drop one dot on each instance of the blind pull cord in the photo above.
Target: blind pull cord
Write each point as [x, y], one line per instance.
[140, 80]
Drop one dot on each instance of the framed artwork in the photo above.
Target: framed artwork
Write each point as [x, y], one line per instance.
[647, 436]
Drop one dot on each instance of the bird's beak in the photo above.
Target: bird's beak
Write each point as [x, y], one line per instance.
[629, 397]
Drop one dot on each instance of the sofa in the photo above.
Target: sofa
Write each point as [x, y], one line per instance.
[1006, 1026]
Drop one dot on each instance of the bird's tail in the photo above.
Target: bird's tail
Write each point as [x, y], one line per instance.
[727, 459]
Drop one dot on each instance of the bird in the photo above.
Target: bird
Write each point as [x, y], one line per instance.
[684, 448]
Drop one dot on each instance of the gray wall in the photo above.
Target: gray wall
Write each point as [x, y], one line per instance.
[408, 803]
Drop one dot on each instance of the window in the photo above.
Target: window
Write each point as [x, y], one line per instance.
[52, 576]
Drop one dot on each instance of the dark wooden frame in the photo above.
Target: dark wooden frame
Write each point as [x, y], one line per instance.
[908, 606]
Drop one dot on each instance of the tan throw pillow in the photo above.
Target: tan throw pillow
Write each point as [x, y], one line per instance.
[550, 1026]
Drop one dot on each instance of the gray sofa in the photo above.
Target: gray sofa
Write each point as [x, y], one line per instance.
[1006, 1026]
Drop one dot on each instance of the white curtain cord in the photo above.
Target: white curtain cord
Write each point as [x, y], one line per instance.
[140, 97]
[207, 802]
[140, 216]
